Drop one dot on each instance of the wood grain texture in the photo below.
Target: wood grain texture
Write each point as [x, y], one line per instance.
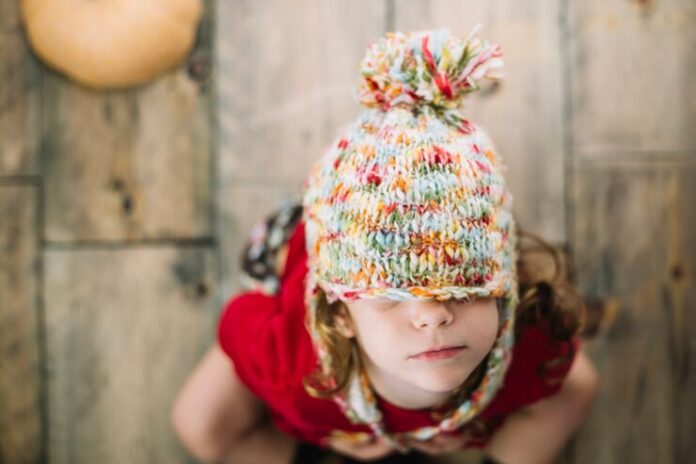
[20, 380]
[19, 97]
[287, 73]
[131, 164]
[124, 328]
[635, 243]
[524, 114]
[632, 65]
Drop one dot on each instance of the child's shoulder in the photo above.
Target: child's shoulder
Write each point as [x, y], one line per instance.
[549, 354]
[266, 339]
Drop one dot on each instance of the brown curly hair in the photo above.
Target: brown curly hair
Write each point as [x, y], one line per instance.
[543, 296]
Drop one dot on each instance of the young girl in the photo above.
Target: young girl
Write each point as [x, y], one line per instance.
[392, 311]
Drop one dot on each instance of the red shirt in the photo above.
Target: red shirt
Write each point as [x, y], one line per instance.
[266, 338]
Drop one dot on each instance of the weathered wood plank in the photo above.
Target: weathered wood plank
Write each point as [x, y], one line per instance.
[124, 328]
[287, 72]
[19, 97]
[632, 66]
[131, 164]
[524, 114]
[635, 242]
[20, 380]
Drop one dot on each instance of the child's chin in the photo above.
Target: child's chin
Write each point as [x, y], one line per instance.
[441, 382]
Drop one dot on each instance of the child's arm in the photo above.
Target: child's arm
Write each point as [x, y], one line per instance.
[218, 420]
[537, 433]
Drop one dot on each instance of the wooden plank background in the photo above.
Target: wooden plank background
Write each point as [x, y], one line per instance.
[122, 213]
[22, 426]
[632, 149]
[647, 358]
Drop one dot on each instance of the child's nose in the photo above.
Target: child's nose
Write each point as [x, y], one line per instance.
[431, 315]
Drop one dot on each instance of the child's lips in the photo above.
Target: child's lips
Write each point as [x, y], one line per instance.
[433, 354]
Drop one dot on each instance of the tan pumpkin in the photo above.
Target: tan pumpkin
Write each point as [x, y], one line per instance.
[111, 43]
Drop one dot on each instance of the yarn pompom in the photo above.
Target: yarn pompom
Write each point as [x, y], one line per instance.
[433, 68]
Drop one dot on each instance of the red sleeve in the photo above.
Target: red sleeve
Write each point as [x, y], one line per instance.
[262, 333]
[246, 334]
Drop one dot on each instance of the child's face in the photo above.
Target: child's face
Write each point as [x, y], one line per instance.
[430, 345]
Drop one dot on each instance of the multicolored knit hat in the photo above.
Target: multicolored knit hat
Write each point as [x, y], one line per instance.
[410, 202]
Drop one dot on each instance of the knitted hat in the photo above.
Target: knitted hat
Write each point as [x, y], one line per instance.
[410, 202]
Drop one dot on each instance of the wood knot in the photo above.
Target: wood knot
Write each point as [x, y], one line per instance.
[199, 67]
[201, 289]
[677, 272]
[127, 204]
[117, 185]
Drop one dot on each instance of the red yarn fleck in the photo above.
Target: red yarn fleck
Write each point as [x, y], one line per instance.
[482, 167]
[373, 178]
[443, 84]
[442, 156]
[477, 278]
[427, 55]
[466, 127]
[452, 261]
[372, 84]
[413, 95]
[440, 79]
